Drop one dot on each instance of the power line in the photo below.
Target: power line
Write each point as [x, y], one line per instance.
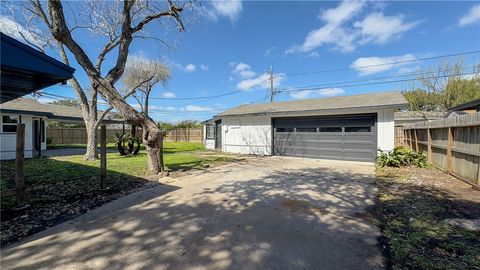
[382, 64]
[399, 75]
[307, 88]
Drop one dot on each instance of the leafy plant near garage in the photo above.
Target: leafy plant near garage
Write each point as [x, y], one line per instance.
[400, 157]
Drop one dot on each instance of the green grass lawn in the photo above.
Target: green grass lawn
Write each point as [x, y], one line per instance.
[169, 147]
[178, 155]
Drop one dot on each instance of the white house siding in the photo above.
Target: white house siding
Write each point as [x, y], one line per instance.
[8, 141]
[247, 135]
[253, 134]
[385, 129]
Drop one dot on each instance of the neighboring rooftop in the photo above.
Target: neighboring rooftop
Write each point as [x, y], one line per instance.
[54, 112]
[25, 69]
[419, 115]
[382, 99]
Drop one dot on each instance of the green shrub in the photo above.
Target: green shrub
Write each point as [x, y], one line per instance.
[400, 157]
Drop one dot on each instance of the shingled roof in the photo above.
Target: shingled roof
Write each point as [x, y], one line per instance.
[54, 112]
[383, 99]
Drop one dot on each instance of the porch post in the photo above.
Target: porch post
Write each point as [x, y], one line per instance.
[103, 156]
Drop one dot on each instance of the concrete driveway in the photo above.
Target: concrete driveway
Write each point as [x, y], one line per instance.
[262, 213]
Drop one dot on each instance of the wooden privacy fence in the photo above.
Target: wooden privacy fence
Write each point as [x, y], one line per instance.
[79, 135]
[452, 144]
[399, 136]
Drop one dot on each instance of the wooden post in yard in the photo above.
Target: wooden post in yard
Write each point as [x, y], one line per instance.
[103, 156]
[416, 140]
[20, 167]
[429, 147]
[449, 149]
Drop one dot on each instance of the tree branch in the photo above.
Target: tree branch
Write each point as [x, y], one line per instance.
[127, 34]
[73, 81]
[128, 94]
[106, 49]
[61, 32]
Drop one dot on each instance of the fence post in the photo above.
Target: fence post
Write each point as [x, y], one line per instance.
[61, 135]
[20, 167]
[429, 148]
[449, 149]
[409, 141]
[188, 134]
[417, 148]
[103, 156]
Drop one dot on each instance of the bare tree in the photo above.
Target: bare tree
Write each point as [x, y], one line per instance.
[119, 22]
[141, 75]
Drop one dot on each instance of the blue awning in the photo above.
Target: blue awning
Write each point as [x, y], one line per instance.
[25, 70]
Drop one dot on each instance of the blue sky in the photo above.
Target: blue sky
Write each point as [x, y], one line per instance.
[231, 44]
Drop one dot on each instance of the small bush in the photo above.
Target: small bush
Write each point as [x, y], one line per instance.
[400, 157]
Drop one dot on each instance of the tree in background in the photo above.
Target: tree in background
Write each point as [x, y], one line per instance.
[117, 24]
[141, 75]
[182, 124]
[188, 124]
[165, 125]
[444, 87]
[66, 102]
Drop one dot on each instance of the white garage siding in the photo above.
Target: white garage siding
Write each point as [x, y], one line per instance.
[8, 140]
[253, 134]
[247, 135]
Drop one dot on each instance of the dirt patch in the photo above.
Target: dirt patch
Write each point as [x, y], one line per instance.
[304, 207]
[413, 207]
[53, 206]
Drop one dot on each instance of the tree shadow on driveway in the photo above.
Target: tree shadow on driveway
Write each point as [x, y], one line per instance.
[240, 217]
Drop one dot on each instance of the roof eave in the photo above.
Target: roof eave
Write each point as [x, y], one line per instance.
[395, 106]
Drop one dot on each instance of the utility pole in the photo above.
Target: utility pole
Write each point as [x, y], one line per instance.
[272, 92]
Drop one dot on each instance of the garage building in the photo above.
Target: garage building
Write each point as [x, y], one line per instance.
[344, 128]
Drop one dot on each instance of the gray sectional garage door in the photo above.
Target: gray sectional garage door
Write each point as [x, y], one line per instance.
[343, 138]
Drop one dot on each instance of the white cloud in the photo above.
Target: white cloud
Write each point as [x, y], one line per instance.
[332, 31]
[154, 107]
[17, 31]
[193, 108]
[270, 51]
[170, 108]
[169, 95]
[379, 64]
[378, 28]
[249, 79]
[190, 68]
[473, 16]
[261, 81]
[327, 92]
[243, 70]
[340, 31]
[228, 8]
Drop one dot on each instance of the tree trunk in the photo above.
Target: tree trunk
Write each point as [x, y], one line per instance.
[152, 139]
[91, 153]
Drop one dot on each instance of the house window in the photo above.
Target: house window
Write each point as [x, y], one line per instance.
[330, 129]
[9, 124]
[307, 129]
[210, 131]
[285, 129]
[357, 129]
